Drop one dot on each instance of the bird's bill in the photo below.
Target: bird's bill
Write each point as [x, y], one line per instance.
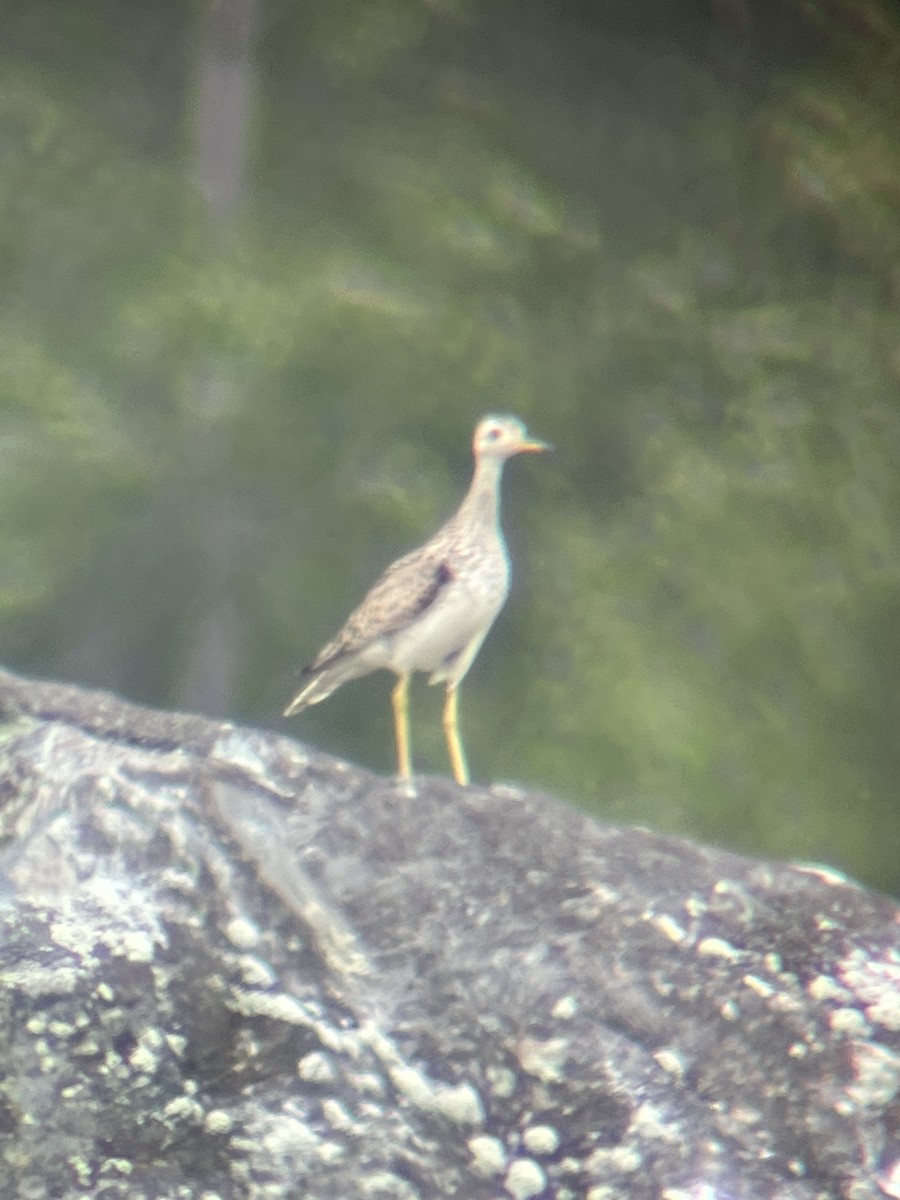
[533, 446]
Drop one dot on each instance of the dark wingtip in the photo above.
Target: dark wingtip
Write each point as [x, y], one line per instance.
[300, 673]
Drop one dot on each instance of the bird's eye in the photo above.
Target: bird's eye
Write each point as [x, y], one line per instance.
[492, 434]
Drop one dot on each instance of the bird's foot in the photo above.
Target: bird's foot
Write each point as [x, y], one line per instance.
[406, 787]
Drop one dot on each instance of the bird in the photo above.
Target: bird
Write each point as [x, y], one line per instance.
[432, 609]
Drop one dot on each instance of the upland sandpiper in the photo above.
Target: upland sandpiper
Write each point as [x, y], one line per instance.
[432, 609]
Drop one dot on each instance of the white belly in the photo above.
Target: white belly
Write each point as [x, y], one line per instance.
[446, 637]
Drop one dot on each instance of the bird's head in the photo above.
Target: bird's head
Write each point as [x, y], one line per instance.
[502, 437]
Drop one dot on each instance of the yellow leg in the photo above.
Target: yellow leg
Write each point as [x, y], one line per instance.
[400, 701]
[451, 732]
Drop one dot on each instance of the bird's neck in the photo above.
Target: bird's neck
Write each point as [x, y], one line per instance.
[481, 506]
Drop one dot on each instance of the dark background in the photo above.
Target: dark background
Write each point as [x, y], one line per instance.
[264, 265]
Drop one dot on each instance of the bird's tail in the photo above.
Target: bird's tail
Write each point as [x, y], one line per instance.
[321, 682]
[312, 692]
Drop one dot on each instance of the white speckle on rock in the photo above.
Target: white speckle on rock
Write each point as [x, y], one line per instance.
[331, 1152]
[488, 1155]
[624, 1160]
[134, 944]
[648, 1122]
[256, 973]
[877, 1071]
[383, 1184]
[413, 1085]
[242, 933]
[72, 935]
[278, 1007]
[84, 1049]
[288, 1137]
[336, 1114]
[367, 1083]
[184, 1108]
[876, 985]
[176, 1043]
[848, 1020]
[886, 1011]
[714, 947]
[544, 1059]
[235, 748]
[668, 927]
[827, 874]
[525, 1178]
[315, 1067]
[889, 1179]
[119, 1166]
[786, 1002]
[699, 1191]
[507, 791]
[826, 987]
[152, 1037]
[762, 987]
[729, 1011]
[217, 1120]
[142, 1058]
[460, 1104]
[565, 1008]
[541, 1139]
[671, 1061]
[502, 1081]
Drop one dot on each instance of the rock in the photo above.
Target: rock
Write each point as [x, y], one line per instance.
[235, 968]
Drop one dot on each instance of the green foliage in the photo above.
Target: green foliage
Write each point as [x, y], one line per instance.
[674, 250]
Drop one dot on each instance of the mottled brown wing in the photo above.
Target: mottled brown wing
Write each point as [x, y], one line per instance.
[407, 588]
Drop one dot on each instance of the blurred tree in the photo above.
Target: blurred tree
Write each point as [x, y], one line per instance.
[221, 129]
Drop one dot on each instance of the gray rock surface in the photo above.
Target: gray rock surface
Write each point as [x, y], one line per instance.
[233, 968]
